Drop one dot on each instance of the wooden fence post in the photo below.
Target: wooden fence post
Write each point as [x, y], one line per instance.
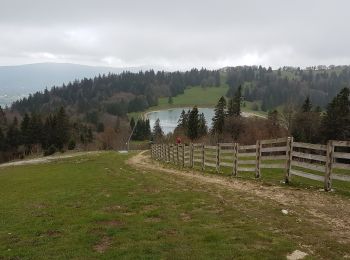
[173, 160]
[218, 157]
[235, 159]
[191, 155]
[289, 155]
[177, 153]
[203, 157]
[183, 154]
[168, 147]
[258, 159]
[329, 166]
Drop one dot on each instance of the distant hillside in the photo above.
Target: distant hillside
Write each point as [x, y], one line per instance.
[21, 80]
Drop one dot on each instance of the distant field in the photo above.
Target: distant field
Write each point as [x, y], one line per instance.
[96, 206]
[201, 97]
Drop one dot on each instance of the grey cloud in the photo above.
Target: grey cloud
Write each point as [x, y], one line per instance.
[176, 34]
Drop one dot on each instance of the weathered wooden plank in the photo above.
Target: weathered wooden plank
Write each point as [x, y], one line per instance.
[212, 159]
[226, 144]
[246, 162]
[341, 166]
[198, 145]
[310, 166]
[272, 165]
[273, 141]
[321, 147]
[340, 177]
[210, 164]
[341, 155]
[273, 157]
[244, 169]
[247, 147]
[315, 157]
[341, 143]
[210, 147]
[307, 175]
[274, 149]
[197, 160]
[226, 164]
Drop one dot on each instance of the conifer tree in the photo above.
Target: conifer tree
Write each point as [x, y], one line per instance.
[202, 125]
[193, 124]
[307, 106]
[2, 141]
[25, 132]
[219, 117]
[157, 130]
[62, 128]
[234, 105]
[336, 123]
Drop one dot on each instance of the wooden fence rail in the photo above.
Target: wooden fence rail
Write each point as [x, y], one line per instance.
[312, 161]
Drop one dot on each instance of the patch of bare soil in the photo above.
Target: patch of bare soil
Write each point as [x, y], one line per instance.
[296, 255]
[103, 245]
[321, 207]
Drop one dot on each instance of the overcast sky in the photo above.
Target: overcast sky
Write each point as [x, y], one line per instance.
[175, 34]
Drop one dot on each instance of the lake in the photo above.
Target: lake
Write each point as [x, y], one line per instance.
[169, 117]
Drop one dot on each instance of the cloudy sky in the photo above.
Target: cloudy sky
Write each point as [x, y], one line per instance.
[175, 34]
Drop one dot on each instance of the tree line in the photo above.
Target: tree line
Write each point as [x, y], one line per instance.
[307, 123]
[288, 85]
[34, 133]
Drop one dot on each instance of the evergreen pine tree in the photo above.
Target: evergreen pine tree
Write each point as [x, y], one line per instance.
[219, 117]
[157, 130]
[202, 125]
[13, 136]
[62, 128]
[234, 105]
[336, 123]
[25, 132]
[307, 106]
[193, 124]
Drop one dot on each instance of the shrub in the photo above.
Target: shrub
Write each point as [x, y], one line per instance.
[51, 150]
[71, 144]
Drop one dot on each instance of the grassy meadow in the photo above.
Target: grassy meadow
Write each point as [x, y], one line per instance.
[97, 207]
[199, 96]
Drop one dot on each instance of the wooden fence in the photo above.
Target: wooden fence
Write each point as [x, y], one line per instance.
[312, 161]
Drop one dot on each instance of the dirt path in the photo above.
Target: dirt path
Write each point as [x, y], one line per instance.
[322, 208]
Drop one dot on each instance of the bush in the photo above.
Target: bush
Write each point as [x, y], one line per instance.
[71, 144]
[51, 150]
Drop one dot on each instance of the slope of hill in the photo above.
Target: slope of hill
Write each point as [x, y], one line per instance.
[21, 80]
[97, 206]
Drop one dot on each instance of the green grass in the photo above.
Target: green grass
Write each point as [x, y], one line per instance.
[73, 207]
[197, 96]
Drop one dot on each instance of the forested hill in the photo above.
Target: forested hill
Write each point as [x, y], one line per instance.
[116, 94]
[288, 84]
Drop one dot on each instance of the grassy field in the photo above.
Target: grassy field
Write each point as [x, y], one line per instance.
[96, 206]
[201, 97]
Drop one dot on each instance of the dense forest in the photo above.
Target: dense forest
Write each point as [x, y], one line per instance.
[116, 94]
[288, 84]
